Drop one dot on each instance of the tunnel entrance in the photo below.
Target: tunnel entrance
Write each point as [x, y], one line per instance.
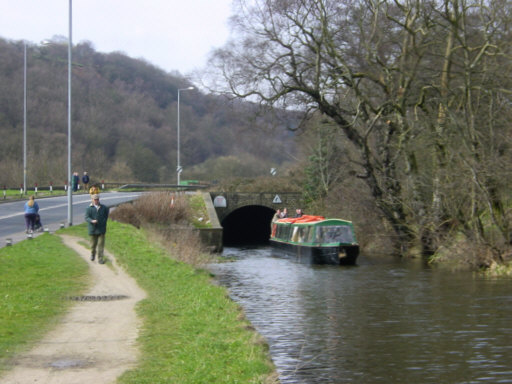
[249, 225]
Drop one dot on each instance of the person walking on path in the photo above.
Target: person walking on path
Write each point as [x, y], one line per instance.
[96, 216]
[31, 209]
[85, 181]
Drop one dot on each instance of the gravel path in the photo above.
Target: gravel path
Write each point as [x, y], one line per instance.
[95, 342]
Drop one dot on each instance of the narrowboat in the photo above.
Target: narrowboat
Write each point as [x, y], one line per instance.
[316, 240]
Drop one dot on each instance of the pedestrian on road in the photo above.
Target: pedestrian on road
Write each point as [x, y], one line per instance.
[31, 209]
[85, 181]
[96, 216]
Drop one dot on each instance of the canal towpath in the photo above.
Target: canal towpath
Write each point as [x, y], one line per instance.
[95, 342]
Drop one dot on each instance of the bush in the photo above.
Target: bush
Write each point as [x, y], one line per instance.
[463, 253]
[155, 208]
[167, 219]
[126, 213]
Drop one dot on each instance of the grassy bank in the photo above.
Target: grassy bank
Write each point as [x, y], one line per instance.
[14, 194]
[35, 277]
[192, 332]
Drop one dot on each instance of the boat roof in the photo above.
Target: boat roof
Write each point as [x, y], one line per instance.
[307, 219]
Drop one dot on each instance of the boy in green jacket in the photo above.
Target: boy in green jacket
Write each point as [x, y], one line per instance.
[96, 216]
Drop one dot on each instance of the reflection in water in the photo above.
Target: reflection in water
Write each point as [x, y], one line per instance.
[378, 322]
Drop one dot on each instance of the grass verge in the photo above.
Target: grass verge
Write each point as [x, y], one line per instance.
[14, 194]
[35, 277]
[199, 213]
[192, 332]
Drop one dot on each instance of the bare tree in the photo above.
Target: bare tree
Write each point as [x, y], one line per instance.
[327, 160]
[386, 72]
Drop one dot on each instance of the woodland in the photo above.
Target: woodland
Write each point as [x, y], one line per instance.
[394, 114]
[124, 121]
[421, 93]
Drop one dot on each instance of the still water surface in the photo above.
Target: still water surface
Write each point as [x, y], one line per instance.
[382, 321]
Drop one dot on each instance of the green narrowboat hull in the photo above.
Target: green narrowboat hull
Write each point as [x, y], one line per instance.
[315, 240]
[332, 255]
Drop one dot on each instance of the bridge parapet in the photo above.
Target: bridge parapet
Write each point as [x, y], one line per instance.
[227, 202]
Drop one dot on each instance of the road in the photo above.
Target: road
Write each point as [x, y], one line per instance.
[53, 211]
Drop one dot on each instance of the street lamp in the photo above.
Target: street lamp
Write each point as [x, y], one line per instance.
[70, 46]
[25, 118]
[178, 166]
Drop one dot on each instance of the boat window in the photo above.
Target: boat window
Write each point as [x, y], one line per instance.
[295, 235]
[334, 234]
[311, 235]
[303, 234]
[283, 232]
[286, 233]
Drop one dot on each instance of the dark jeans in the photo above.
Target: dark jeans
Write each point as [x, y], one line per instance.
[30, 220]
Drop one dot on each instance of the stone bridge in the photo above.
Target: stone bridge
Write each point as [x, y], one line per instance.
[245, 216]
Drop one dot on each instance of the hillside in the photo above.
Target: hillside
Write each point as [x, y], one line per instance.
[124, 121]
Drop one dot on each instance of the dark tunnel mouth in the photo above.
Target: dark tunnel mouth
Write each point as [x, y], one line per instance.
[249, 225]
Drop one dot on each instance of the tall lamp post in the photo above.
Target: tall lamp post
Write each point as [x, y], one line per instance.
[70, 46]
[25, 118]
[178, 166]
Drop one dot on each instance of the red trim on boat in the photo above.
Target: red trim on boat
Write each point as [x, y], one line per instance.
[302, 219]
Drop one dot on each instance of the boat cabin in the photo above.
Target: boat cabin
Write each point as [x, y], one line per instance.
[314, 230]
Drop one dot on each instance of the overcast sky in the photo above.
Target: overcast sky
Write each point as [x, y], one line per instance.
[175, 35]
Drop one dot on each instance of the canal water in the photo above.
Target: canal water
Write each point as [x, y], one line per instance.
[383, 321]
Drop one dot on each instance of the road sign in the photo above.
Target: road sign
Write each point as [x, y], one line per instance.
[220, 202]
[277, 200]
